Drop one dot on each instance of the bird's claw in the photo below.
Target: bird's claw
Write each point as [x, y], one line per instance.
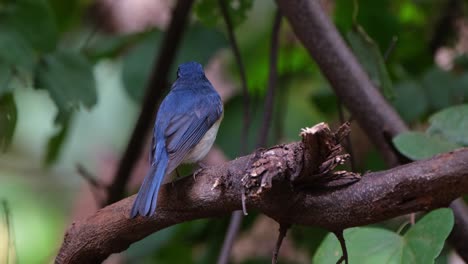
[197, 172]
[202, 167]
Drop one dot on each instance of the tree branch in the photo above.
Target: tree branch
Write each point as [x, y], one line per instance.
[236, 218]
[272, 82]
[245, 91]
[346, 76]
[352, 85]
[154, 92]
[278, 183]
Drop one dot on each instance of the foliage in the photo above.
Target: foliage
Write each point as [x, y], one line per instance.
[7, 119]
[69, 79]
[371, 59]
[49, 46]
[417, 145]
[136, 73]
[208, 11]
[447, 131]
[422, 243]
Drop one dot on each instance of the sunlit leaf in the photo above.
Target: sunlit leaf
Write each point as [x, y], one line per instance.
[371, 59]
[8, 115]
[452, 123]
[418, 145]
[411, 13]
[421, 244]
[69, 78]
[376, 17]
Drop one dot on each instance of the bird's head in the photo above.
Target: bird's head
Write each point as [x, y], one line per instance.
[189, 70]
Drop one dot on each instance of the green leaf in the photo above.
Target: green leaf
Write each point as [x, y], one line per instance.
[33, 20]
[8, 116]
[68, 13]
[325, 100]
[16, 58]
[371, 59]
[5, 76]
[105, 46]
[425, 240]
[209, 13]
[69, 78]
[364, 244]
[55, 143]
[440, 87]
[138, 63]
[15, 50]
[418, 145]
[421, 244]
[452, 123]
[410, 100]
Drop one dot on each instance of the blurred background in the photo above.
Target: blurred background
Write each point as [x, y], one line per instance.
[73, 76]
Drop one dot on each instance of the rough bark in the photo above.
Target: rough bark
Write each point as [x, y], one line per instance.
[353, 87]
[289, 183]
[338, 64]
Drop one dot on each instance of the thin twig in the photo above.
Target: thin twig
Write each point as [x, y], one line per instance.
[154, 92]
[344, 257]
[314, 28]
[280, 112]
[376, 117]
[349, 146]
[89, 37]
[94, 183]
[240, 65]
[233, 229]
[9, 230]
[91, 179]
[236, 217]
[283, 229]
[390, 48]
[272, 82]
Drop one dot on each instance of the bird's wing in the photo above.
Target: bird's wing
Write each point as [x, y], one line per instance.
[185, 130]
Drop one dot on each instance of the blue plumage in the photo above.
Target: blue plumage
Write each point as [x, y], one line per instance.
[185, 129]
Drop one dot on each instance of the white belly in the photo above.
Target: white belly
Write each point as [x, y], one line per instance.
[202, 148]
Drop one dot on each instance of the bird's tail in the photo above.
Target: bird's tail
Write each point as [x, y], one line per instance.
[145, 202]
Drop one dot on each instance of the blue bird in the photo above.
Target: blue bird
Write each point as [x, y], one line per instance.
[186, 126]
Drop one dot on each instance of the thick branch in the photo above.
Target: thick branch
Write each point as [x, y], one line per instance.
[154, 92]
[350, 82]
[216, 191]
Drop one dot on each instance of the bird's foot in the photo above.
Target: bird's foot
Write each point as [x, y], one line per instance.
[202, 167]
